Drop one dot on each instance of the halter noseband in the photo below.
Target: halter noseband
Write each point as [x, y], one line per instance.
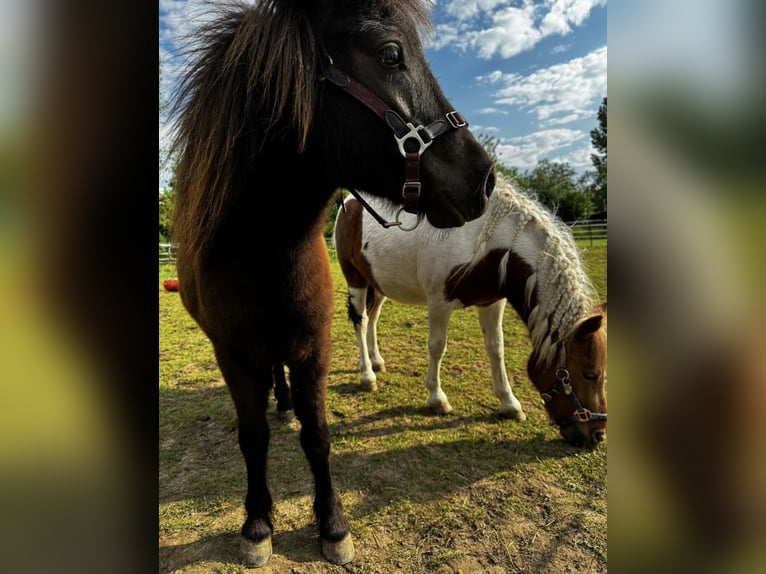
[580, 414]
[406, 135]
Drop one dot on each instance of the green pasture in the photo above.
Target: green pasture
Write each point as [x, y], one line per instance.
[466, 492]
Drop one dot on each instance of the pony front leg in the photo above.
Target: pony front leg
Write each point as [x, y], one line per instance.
[438, 319]
[249, 388]
[357, 312]
[491, 321]
[308, 380]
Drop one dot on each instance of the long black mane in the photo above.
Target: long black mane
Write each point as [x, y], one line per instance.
[252, 77]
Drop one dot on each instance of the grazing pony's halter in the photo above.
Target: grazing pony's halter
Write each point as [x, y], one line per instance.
[580, 414]
[412, 140]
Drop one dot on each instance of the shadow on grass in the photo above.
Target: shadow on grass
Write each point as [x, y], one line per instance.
[300, 545]
[438, 456]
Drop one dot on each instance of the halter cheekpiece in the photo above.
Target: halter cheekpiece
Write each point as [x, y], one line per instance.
[580, 414]
[411, 140]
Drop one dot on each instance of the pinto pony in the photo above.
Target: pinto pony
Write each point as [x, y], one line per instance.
[285, 101]
[518, 252]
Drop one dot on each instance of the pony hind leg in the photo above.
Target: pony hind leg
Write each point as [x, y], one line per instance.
[249, 388]
[491, 321]
[438, 319]
[357, 312]
[308, 381]
[282, 393]
[375, 305]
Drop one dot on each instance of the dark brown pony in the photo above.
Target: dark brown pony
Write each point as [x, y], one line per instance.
[284, 102]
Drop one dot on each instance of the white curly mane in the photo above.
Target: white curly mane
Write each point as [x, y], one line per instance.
[564, 291]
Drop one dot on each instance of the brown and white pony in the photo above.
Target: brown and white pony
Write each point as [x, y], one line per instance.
[285, 101]
[518, 252]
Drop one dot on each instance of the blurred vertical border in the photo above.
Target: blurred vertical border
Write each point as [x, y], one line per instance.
[78, 304]
[687, 197]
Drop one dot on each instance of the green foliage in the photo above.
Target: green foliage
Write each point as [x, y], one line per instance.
[489, 143]
[167, 202]
[329, 224]
[554, 185]
[166, 207]
[598, 139]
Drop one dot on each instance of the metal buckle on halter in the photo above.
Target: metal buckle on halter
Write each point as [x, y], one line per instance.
[562, 375]
[456, 119]
[581, 415]
[413, 133]
[408, 185]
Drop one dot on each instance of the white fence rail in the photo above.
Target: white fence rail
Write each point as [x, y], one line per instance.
[167, 253]
[589, 230]
[582, 230]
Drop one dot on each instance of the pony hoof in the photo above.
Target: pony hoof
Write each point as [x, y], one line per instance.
[441, 408]
[381, 368]
[286, 416]
[514, 415]
[339, 552]
[369, 385]
[255, 554]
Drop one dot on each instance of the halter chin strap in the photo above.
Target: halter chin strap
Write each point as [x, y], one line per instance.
[580, 414]
[412, 140]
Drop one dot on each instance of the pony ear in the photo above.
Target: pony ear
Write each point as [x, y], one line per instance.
[588, 326]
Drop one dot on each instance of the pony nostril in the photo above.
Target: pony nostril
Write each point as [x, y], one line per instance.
[489, 182]
[598, 435]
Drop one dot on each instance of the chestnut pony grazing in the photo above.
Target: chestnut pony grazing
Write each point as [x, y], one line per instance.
[284, 101]
[518, 252]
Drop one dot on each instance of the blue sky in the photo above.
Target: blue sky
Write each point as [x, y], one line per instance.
[531, 74]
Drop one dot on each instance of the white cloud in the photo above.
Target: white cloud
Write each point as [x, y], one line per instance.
[513, 32]
[567, 91]
[477, 129]
[494, 27]
[465, 10]
[491, 111]
[525, 152]
[561, 48]
[566, 12]
[491, 78]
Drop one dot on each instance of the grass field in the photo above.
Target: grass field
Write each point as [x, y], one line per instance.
[467, 492]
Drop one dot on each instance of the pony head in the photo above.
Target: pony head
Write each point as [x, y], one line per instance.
[572, 387]
[401, 122]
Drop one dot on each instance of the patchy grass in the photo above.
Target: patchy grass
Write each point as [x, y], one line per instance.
[467, 492]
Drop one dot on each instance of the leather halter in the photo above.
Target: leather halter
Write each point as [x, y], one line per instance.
[412, 140]
[580, 414]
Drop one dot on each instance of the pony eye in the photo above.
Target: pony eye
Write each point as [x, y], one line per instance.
[390, 55]
[591, 375]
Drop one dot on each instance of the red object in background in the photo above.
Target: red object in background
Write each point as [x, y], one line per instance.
[170, 284]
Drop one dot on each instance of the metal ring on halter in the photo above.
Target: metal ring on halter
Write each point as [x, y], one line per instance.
[401, 225]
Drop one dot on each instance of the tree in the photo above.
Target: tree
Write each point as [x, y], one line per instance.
[166, 207]
[549, 182]
[489, 143]
[554, 185]
[598, 139]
